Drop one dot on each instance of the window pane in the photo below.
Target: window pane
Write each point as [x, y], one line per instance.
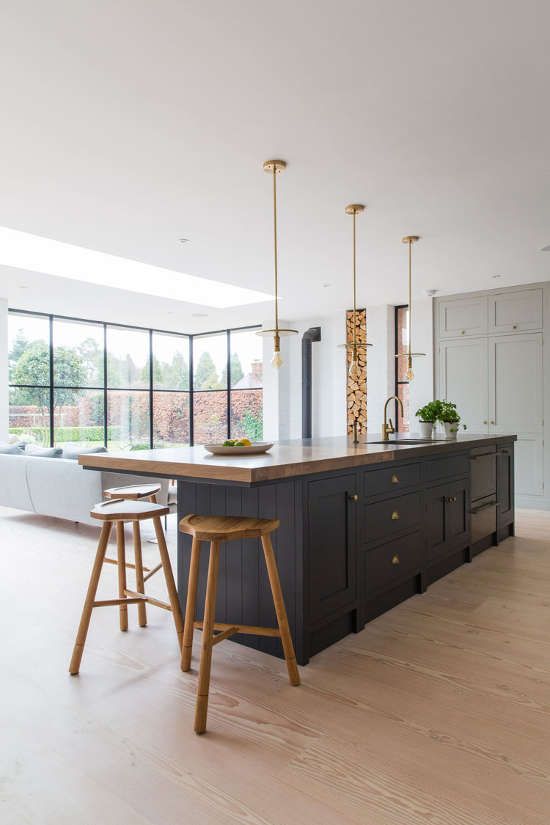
[127, 358]
[210, 417]
[128, 420]
[403, 420]
[29, 417]
[78, 417]
[77, 354]
[170, 361]
[210, 362]
[247, 414]
[246, 359]
[170, 419]
[29, 349]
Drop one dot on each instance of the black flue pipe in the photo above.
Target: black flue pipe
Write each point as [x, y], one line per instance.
[311, 335]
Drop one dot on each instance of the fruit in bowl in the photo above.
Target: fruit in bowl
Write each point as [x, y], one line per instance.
[237, 442]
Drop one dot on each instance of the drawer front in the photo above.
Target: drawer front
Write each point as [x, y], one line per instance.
[484, 519]
[483, 479]
[390, 480]
[439, 468]
[387, 518]
[388, 564]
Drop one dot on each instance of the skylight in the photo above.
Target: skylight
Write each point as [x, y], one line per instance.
[32, 252]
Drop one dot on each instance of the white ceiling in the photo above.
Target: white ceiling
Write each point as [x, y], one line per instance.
[127, 125]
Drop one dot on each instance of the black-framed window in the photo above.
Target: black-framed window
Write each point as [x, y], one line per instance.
[90, 382]
[401, 380]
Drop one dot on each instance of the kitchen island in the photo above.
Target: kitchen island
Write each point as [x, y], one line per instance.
[362, 527]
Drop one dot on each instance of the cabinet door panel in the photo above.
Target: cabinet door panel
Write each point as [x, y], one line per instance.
[516, 381]
[529, 479]
[457, 515]
[435, 519]
[516, 311]
[332, 533]
[463, 379]
[462, 317]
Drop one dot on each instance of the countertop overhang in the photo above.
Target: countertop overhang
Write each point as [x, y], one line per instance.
[286, 459]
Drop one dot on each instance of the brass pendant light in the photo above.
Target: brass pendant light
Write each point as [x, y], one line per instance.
[274, 167]
[355, 346]
[409, 355]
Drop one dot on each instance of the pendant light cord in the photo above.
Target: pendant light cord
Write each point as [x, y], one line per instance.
[354, 338]
[275, 249]
[410, 302]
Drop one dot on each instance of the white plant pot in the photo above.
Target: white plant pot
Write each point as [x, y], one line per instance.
[451, 430]
[426, 429]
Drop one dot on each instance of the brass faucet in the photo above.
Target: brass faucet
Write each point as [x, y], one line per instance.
[388, 428]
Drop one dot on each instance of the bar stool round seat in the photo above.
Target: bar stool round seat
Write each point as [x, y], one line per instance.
[116, 512]
[216, 529]
[226, 528]
[128, 510]
[133, 492]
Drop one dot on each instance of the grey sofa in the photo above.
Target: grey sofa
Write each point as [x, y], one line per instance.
[61, 488]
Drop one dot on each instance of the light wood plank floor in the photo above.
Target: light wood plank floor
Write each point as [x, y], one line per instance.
[438, 713]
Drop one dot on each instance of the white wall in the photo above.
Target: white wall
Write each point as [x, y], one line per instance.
[4, 389]
[283, 388]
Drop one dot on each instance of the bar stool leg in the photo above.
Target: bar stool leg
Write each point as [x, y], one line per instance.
[201, 709]
[190, 605]
[282, 619]
[169, 576]
[82, 632]
[121, 558]
[140, 583]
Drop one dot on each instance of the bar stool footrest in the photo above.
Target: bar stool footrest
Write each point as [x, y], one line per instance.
[142, 597]
[242, 628]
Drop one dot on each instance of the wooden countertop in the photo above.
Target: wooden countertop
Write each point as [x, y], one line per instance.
[285, 460]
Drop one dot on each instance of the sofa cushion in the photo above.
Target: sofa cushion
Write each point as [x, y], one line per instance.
[72, 451]
[12, 449]
[43, 452]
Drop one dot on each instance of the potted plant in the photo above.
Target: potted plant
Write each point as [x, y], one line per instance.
[449, 417]
[428, 415]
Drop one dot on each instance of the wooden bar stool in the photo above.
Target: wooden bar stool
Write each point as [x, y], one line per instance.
[137, 492]
[216, 529]
[118, 511]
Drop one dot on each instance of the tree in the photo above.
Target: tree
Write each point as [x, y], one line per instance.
[91, 356]
[33, 367]
[236, 370]
[206, 376]
[19, 346]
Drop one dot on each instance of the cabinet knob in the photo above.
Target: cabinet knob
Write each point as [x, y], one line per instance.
[514, 326]
[463, 332]
[353, 497]
[395, 479]
[395, 516]
[485, 422]
[395, 559]
[451, 499]
[492, 421]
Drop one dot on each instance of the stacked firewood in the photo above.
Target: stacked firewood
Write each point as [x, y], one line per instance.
[356, 388]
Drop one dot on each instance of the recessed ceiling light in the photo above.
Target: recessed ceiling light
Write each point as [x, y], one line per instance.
[183, 240]
[326, 285]
[546, 248]
[23, 286]
[199, 314]
[496, 276]
[31, 252]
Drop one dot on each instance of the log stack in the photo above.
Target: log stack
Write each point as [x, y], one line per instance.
[356, 390]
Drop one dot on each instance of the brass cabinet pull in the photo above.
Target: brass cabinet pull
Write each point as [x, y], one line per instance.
[353, 497]
[395, 479]
[395, 516]
[395, 559]
[463, 332]
[451, 499]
